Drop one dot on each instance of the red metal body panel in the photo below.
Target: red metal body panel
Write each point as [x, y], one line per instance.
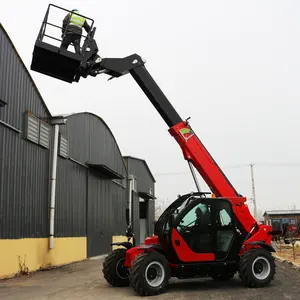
[195, 151]
[151, 240]
[260, 235]
[131, 254]
[184, 252]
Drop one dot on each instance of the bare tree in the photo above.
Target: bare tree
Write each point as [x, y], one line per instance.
[160, 206]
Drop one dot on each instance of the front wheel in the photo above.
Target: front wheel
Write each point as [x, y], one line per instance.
[257, 268]
[149, 274]
[114, 271]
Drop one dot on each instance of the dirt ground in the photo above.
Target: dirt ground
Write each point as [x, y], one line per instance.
[84, 281]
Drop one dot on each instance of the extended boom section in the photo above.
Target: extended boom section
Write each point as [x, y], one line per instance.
[191, 146]
[193, 150]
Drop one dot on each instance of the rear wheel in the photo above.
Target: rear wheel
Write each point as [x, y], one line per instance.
[114, 271]
[149, 274]
[257, 268]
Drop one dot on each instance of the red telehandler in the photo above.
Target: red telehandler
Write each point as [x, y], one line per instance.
[196, 236]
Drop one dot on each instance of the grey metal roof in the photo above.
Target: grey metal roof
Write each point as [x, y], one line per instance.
[69, 115]
[282, 212]
[144, 161]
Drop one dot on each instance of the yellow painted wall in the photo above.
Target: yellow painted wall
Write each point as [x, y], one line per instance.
[33, 254]
[118, 239]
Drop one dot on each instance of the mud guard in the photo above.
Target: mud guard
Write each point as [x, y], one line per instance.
[151, 246]
[261, 244]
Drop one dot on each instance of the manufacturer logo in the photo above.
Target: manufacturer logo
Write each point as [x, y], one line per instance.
[186, 133]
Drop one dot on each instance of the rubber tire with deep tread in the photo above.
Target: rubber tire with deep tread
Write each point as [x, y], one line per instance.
[110, 271]
[245, 268]
[137, 274]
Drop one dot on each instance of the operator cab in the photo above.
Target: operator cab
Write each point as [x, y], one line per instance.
[48, 56]
[196, 228]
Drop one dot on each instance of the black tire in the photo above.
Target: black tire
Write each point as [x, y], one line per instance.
[222, 276]
[149, 274]
[113, 270]
[257, 268]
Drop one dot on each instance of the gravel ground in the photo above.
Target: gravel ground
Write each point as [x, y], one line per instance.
[84, 280]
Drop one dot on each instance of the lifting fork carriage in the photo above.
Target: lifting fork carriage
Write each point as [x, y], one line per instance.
[224, 241]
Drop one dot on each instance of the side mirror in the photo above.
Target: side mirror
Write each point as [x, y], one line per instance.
[127, 216]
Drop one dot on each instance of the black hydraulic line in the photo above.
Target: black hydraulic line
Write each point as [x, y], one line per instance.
[155, 95]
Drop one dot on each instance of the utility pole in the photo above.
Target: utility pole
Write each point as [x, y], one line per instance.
[253, 191]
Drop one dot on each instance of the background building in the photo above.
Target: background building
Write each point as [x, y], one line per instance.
[143, 196]
[88, 193]
[276, 218]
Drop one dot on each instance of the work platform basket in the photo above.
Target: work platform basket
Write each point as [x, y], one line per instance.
[48, 56]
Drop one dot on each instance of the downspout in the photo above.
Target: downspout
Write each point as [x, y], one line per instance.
[53, 186]
[56, 121]
[130, 177]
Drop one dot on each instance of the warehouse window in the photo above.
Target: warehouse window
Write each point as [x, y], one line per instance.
[63, 146]
[37, 131]
[32, 128]
[44, 136]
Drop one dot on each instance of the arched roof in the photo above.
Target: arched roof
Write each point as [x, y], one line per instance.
[26, 70]
[93, 142]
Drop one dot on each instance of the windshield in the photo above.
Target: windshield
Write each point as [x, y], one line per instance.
[162, 226]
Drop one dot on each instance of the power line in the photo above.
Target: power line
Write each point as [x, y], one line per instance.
[188, 172]
[297, 164]
[291, 164]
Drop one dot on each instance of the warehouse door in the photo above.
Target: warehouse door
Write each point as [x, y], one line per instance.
[143, 219]
[136, 216]
[99, 214]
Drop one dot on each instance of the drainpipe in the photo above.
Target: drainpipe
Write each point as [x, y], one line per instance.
[131, 178]
[56, 122]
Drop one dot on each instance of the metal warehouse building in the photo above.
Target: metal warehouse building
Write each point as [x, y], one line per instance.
[67, 165]
[143, 195]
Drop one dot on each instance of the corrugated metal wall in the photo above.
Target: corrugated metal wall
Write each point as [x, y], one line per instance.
[90, 140]
[106, 213]
[24, 175]
[24, 187]
[84, 201]
[71, 198]
[17, 87]
[139, 170]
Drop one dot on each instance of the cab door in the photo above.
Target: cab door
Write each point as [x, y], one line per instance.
[193, 234]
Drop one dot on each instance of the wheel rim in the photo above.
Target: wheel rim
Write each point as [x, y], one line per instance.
[121, 270]
[261, 268]
[155, 274]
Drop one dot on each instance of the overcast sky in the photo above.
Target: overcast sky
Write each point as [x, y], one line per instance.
[232, 66]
